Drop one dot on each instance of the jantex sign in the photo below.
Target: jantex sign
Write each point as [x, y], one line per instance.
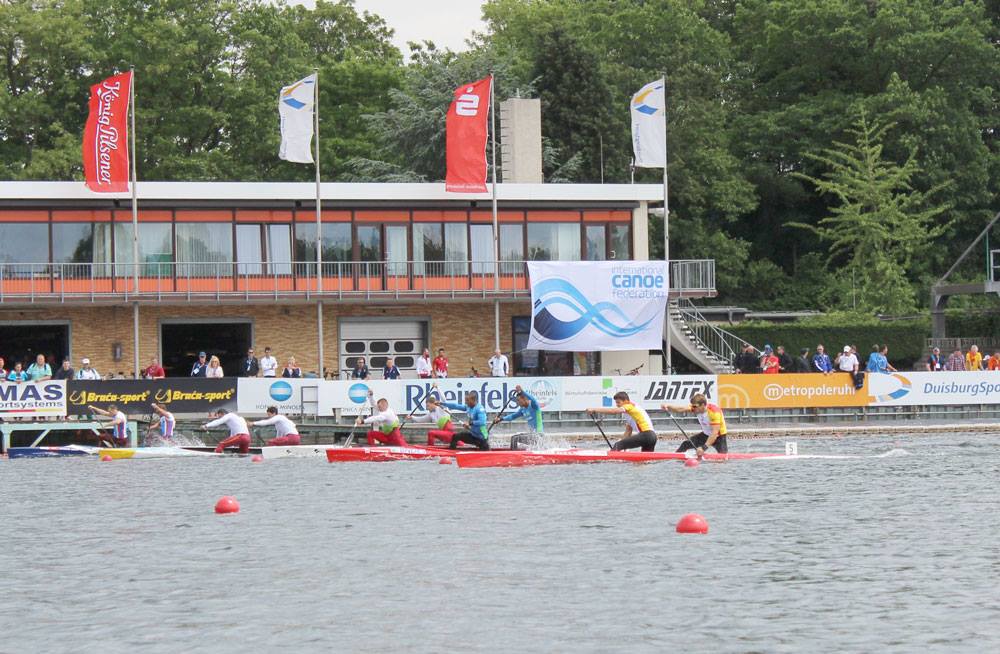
[180, 395]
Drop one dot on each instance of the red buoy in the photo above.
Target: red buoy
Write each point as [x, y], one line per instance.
[445, 461]
[107, 457]
[691, 463]
[256, 458]
[692, 523]
[227, 504]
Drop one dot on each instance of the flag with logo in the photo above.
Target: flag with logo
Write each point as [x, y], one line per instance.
[593, 306]
[105, 137]
[466, 132]
[295, 108]
[649, 125]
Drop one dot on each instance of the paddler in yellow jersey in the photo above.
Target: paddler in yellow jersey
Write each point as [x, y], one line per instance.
[713, 425]
[638, 429]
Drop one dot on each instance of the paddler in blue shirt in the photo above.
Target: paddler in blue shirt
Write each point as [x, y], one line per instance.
[531, 411]
[475, 429]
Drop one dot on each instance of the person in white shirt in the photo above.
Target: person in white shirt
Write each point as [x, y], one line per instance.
[847, 362]
[386, 424]
[86, 372]
[424, 365]
[499, 366]
[214, 369]
[239, 433]
[268, 364]
[285, 431]
[118, 424]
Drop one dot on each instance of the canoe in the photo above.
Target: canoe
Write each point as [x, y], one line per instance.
[286, 451]
[495, 459]
[151, 452]
[50, 451]
[385, 453]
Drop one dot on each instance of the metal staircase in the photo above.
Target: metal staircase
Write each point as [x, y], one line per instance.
[701, 342]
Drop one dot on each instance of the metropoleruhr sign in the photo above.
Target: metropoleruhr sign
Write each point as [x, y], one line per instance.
[590, 306]
[31, 399]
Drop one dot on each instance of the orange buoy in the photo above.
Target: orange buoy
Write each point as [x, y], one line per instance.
[107, 457]
[445, 461]
[692, 523]
[227, 504]
[691, 463]
[256, 458]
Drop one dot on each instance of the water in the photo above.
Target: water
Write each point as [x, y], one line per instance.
[893, 554]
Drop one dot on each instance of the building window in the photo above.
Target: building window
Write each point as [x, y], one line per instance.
[482, 249]
[203, 249]
[621, 241]
[24, 243]
[370, 243]
[337, 247]
[554, 242]
[545, 362]
[456, 248]
[428, 249]
[511, 249]
[597, 243]
[81, 243]
[154, 249]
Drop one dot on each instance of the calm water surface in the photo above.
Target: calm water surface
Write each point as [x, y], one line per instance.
[898, 553]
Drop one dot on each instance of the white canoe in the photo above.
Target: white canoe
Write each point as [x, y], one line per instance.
[150, 452]
[286, 451]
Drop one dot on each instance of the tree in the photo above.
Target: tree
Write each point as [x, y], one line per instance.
[879, 224]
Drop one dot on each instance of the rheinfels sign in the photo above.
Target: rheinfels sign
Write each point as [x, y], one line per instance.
[105, 138]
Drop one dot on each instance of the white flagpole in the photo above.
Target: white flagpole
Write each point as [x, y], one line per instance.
[666, 227]
[496, 228]
[319, 226]
[135, 226]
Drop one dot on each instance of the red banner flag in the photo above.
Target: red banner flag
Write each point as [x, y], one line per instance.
[105, 138]
[466, 137]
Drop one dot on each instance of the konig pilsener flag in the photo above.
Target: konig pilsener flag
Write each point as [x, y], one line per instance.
[649, 126]
[466, 132]
[105, 137]
[591, 306]
[295, 107]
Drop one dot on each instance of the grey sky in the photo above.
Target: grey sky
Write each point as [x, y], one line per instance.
[445, 22]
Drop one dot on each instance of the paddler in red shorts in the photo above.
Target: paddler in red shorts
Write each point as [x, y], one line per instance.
[439, 416]
[239, 434]
[286, 433]
[386, 424]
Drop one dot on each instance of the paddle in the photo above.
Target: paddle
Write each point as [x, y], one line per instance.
[350, 437]
[500, 415]
[686, 437]
[593, 417]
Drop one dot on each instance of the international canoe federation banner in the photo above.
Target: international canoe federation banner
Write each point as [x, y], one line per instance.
[597, 306]
[105, 137]
[465, 137]
[295, 109]
[649, 125]
[134, 396]
[33, 399]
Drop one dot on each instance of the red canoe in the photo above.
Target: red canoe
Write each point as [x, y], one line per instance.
[519, 459]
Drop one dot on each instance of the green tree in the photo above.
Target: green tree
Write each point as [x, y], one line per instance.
[879, 224]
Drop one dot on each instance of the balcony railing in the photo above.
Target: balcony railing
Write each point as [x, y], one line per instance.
[182, 281]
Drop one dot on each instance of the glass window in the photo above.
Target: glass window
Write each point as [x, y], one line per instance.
[205, 248]
[279, 249]
[24, 243]
[396, 249]
[154, 248]
[456, 244]
[596, 243]
[621, 242]
[428, 246]
[482, 248]
[248, 250]
[511, 249]
[369, 243]
[554, 242]
[72, 243]
[336, 246]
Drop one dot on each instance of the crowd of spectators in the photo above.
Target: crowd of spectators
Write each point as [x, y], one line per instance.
[774, 361]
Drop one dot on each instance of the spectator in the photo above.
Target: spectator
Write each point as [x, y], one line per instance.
[498, 363]
[250, 365]
[154, 370]
[994, 361]
[360, 369]
[973, 360]
[17, 374]
[785, 363]
[848, 361]
[424, 369]
[39, 370]
[821, 361]
[268, 364]
[86, 372]
[955, 361]
[746, 361]
[769, 364]
[200, 366]
[390, 371]
[440, 364]
[3, 369]
[878, 361]
[65, 370]
[934, 360]
[291, 370]
[873, 360]
[801, 363]
[214, 369]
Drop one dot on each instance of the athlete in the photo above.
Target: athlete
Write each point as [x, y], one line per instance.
[239, 433]
[531, 411]
[475, 431]
[439, 416]
[118, 424]
[387, 425]
[713, 425]
[285, 430]
[638, 429]
[165, 423]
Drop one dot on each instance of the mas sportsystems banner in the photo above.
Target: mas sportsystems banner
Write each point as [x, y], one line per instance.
[592, 306]
[31, 399]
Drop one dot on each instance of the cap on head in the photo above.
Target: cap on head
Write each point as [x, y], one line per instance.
[847, 348]
[201, 354]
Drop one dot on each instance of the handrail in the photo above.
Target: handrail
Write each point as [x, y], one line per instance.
[722, 345]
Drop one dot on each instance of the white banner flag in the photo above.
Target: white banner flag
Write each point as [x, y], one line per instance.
[593, 306]
[649, 126]
[295, 107]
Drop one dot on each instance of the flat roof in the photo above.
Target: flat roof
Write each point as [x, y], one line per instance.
[334, 192]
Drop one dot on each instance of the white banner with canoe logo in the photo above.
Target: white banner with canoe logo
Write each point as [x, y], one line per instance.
[33, 399]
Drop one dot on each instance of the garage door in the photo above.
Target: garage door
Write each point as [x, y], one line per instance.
[377, 340]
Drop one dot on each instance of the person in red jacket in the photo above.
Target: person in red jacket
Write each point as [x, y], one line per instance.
[769, 363]
[439, 368]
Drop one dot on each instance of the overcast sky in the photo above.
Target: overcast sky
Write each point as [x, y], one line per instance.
[445, 22]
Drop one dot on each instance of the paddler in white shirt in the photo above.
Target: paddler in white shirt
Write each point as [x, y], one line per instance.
[386, 424]
[239, 433]
[441, 418]
[286, 432]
